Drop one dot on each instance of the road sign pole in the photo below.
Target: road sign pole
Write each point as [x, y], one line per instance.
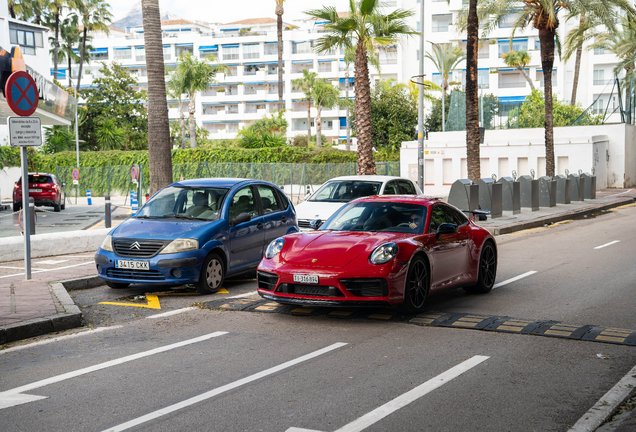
[26, 214]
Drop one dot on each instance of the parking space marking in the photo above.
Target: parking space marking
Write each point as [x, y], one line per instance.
[16, 396]
[153, 303]
[59, 338]
[49, 270]
[219, 390]
[514, 279]
[607, 244]
[399, 402]
[174, 312]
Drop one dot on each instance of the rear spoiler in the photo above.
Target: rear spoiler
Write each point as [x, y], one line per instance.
[481, 214]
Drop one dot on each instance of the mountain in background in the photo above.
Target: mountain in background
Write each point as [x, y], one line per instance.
[134, 18]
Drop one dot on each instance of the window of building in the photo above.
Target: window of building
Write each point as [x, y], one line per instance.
[302, 47]
[28, 40]
[517, 45]
[507, 21]
[99, 54]
[599, 51]
[251, 51]
[442, 22]
[167, 52]
[483, 78]
[599, 77]
[140, 54]
[231, 53]
[123, 53]
[271, 48]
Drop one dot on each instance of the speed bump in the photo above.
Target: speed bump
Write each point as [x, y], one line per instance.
[495, 323]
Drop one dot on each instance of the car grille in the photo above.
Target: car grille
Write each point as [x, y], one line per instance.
[304, 223]
[266, 280]
[135, 274]
[147, 248]
[363, 287]
[310, 290]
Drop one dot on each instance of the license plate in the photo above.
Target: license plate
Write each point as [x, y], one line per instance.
[35, 190]
[309, 279]
[134, 265]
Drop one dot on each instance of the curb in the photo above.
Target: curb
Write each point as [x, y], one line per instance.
[536, 223]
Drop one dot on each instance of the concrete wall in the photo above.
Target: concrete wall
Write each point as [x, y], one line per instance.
[523, 150]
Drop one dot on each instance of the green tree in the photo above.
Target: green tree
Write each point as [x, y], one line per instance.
[519, 60]
[531, 112]
[55, 9]
[445, 57]
[94, 16]
[109, 136]
[306, 84]
[324, 95]
[175, 87]
[265, 132]
[58, 139]
[176, 130]
[113, 96]
[70, 36]
[363, 26]
[543, 16]
[197, 75]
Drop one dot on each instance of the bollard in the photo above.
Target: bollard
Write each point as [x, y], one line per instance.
[88, 196]
[107, 220]
[496, 200]
[133, 203]
[32, 215]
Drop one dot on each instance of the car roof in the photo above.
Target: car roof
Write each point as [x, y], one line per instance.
[413, 199]
[211, 182]
[382, 178]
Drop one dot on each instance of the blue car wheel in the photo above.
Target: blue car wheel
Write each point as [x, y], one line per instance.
[212, 275]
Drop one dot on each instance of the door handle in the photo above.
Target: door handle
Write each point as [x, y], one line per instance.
[259, 225]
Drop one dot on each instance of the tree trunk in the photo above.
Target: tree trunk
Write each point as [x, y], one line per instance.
[443, 108]
[546, 37]
[279, 34]
[348, 126]
[82, 55]
[318, 127]
[193, 125]
[366, 164]
[159, 155]
[472, 95]
[70, 83]
[182, 122]
[526, 76]
[308, 120]
[56, 44]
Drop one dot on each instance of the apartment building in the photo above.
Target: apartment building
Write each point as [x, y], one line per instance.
[248, 48]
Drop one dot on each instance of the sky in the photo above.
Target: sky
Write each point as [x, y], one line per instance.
[224, 11]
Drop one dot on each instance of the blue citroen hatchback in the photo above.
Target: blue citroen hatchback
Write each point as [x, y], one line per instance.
[196, 232]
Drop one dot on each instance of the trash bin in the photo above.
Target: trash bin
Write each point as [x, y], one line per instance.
[529, 190]
[547, 192]
[564, 189]
[589, 191]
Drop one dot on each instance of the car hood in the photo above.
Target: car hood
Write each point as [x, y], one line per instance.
[310, 210]
[162, 229]
[332, 248]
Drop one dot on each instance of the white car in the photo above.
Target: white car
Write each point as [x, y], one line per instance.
[338, 191]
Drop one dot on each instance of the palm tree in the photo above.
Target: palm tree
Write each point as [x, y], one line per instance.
[473, 161]
[95, 16]
[159, 155]
[176, 88]
[519, 60]
[55, 9]
[197, 75]
[445, 57]
[305, 84]
[363, 26]
[543, 16]
[279, 34]
[70, 35]
[325, 96]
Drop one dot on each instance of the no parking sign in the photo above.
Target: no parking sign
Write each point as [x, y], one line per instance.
[134, 174]
[76, 176]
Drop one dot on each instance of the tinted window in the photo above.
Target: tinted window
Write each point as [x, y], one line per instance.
[195, 203]
[438, 217]
[378, 216]
[346, 190]
[244, 202]
[457, 217]
[39, 179]
[407, 187]
[269, 200]
[392, 188]
[282, 199]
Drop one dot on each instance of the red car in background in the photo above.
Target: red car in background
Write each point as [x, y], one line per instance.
[45, 189]
[380, 251]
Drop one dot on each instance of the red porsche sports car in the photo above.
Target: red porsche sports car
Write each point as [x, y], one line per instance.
[378, 251]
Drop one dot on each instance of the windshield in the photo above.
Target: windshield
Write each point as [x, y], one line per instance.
[197, 203]
[346, 190]
[378, 216]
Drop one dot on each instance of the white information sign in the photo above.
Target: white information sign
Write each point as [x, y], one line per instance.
[25, 131]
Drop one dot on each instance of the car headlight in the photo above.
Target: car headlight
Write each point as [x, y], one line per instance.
[384, 253]
[274, 248]
[180, 245]
[107, 244]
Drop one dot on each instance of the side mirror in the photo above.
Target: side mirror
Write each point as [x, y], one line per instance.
[445, 228]
[241, 218]
[315, 224]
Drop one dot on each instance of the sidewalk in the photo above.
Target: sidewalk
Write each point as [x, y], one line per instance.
[42, 305]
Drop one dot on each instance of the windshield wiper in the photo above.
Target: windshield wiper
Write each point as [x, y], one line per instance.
[146, 217]
[183, 216]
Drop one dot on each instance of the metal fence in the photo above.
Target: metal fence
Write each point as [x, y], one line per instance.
[115, 180]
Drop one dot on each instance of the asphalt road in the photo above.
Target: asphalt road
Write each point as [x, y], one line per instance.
[251, 371]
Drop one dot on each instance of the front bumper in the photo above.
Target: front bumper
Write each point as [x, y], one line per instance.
[322, 303]
[164, 269]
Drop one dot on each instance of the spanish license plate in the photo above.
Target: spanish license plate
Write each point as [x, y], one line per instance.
[35, 190]
[133, 265]
[308, 279]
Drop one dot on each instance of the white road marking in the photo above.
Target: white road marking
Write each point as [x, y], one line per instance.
[621, 193]
[48, 270]
[59, 338]
[12, 397]
[401, 401]
[174, 312]
[604, 408]
[222, 389]
[607, 244]
[247, 294]
[51, 262]
[514, 279]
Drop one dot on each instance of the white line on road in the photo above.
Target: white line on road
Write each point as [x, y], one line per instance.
[174, 312]
[222, 389]
[604, 408]
[60, 338]
[12, 397]
[514, 279]
[48, 270]
[401, 401]
[247, 294]
[607, 244]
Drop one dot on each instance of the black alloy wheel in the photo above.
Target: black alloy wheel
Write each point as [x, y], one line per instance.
[417, 286]
[487, 270]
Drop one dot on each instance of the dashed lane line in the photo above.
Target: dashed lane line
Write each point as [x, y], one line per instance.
[514, 279]
[607, 244]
